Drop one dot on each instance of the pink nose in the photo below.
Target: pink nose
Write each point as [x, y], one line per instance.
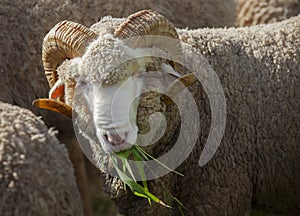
[115, 139]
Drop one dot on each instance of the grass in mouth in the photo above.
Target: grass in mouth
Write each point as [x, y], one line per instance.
[126, 175]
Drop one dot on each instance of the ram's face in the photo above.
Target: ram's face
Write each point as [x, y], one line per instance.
[111, 94]
[114, 113]
[112, 91]
[114, 79]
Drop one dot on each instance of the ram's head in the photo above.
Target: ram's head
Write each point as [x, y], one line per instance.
[113, 58]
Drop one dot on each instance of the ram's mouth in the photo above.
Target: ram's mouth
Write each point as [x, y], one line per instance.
[114, 141]
[124, 145]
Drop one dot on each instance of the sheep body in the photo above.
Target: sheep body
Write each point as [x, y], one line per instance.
[36, 175]
[259, 70]
[255, 164]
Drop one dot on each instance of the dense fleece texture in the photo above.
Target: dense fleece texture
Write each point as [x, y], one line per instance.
[257, 163]
[36, 175]
[253, 12]
[259, 68]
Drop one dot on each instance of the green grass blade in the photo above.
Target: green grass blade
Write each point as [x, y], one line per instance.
[136, 188]
[160, 163]
[140, 155]
[180, 204]
[140, 195]
[136, 150]
[122, 175]
[126, 164]
[138, 158]
[124, 159]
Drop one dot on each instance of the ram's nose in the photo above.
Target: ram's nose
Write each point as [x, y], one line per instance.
[115, 139]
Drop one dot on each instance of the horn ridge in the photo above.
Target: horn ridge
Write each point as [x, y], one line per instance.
[65, 40]
[146, 22]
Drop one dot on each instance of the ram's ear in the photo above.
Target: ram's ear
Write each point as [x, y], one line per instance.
[58, 90]
[53, 105]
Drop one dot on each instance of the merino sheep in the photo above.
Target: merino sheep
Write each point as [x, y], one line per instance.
[253, 12]
[258, 67]
[36, 175]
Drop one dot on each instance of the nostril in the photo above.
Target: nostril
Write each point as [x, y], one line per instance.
[115, 139]
[105, 137]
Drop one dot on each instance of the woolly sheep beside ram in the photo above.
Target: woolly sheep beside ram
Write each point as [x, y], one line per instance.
[258, 67]
[36, 175]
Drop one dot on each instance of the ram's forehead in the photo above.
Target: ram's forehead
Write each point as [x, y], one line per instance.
[105, 60]
[107, 25]
[101, 61]
[110, 61]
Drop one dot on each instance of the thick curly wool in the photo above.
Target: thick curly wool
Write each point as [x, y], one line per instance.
[102, 62]
[68, 72]
[36, 176]
[253, 12]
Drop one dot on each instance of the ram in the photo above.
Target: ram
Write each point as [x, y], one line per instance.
[258, 69]
[36, 175]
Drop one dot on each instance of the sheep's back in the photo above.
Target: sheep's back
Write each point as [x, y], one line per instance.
[36, 175]
[259, 69]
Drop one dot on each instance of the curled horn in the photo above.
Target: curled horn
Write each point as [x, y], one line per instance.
[148, 22]
[66, 40]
